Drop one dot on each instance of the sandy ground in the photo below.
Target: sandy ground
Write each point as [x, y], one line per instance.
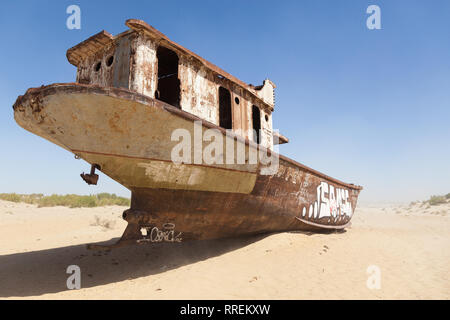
[409, 244]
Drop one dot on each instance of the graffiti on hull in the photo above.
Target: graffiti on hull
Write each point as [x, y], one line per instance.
[166, 234]
[332, 203]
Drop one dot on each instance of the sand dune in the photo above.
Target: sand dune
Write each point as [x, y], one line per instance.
[409, 244]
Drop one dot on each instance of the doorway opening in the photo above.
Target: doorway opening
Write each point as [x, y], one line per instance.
[256, 118]
[225, 118]
[168, 82]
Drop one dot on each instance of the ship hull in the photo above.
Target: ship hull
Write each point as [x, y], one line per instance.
[130, 137]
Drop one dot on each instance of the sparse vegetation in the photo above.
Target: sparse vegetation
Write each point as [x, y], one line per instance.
[104, 223]
[68, 200]
[437, 200]
[27, 198]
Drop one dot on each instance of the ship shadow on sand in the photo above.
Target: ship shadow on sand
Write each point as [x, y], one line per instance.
[43, 272]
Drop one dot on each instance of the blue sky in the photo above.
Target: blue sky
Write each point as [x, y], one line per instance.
[371, 107]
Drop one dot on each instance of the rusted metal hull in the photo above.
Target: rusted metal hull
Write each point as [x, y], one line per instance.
[128, 136]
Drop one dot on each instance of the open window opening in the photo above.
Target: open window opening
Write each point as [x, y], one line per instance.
[168, 82]
[225, 119]
[256, 118]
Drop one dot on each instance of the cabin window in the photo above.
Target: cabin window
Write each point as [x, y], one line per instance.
[168, 82]
[110, 61]
[225, 120]
[256, 118]
[98, 66]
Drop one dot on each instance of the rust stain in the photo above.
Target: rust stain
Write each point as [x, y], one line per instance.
[114, 123]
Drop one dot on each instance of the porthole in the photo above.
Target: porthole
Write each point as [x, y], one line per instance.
[98, 66]
[267, 118]
[236, 100]
[110, 61]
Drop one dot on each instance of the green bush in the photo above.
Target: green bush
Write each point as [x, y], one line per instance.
[10, 197]
[120, 201]
[83, 202]
[105, 195]
[435, 200]
[68, 200]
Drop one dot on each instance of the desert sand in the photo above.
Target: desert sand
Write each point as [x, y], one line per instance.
[410, 244]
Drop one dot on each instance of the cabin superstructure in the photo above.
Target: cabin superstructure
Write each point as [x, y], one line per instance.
[145, 61]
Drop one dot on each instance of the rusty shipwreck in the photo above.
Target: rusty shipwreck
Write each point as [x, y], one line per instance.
[132, 92]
